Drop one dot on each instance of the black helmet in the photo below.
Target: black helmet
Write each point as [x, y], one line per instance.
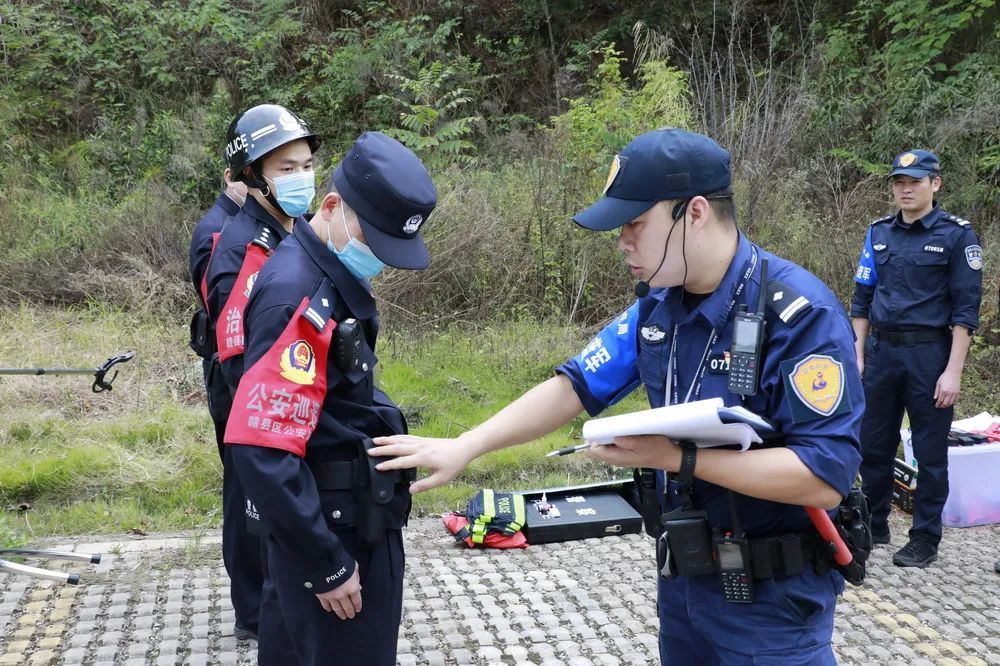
[260, 130]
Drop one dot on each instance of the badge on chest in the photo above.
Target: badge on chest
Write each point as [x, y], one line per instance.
[718, 364]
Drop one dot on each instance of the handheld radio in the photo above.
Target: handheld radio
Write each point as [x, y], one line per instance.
[732, 553]
[748, 338]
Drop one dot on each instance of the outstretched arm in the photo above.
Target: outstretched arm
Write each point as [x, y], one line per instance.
[543, 409]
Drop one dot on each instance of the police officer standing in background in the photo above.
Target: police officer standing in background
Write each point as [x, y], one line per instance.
[203, 241]
[669, 193]
[270, 150]
[916, 302]
[307, 408]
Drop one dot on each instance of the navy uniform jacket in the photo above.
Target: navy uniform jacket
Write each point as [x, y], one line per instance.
[302, 520]
[201, 238]
[808, 332]
[924, 275]
[226, 264]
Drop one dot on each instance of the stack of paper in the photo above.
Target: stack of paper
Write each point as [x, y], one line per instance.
[705, 422]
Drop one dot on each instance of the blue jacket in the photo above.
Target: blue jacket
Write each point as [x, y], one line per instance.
[923, 275]
[201, 238]
[227, 262]
[806, 328]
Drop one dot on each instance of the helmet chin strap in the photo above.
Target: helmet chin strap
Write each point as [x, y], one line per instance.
[261, 185]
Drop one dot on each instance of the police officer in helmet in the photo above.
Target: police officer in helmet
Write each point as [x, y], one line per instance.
[669, 194]
[916, 301]
[307, 408]
[270, 149]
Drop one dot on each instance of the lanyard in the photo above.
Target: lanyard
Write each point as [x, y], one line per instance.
[672, 376]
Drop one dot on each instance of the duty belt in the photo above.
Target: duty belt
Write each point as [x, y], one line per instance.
[910, 337]
[344, 474]
[787, 555]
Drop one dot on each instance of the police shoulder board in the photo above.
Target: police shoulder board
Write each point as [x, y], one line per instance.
[887, 218]
[264, 237]
[786, 302]
[962, 222]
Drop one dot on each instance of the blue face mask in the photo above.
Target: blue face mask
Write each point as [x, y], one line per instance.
[357, 256]
[295, 191]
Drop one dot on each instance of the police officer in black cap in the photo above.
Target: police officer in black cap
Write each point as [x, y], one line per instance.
[916, 303]
[270, 149]
[307, 408]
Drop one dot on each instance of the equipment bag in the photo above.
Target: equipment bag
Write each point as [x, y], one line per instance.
[493, 512]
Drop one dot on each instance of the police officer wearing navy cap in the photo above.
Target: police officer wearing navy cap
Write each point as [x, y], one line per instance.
[270, 149]
[669, 194]
[307, 408]
[916, 302]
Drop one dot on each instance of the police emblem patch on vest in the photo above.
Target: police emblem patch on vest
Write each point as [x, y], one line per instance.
[653, 333]
[974, 257]
[298, 363]
[815, 387]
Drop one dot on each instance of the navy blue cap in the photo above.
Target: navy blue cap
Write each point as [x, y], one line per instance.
[916, 163]
[386, 184]
[667, 163]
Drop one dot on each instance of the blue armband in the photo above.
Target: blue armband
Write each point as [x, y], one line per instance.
[866, 273]
[605, 371]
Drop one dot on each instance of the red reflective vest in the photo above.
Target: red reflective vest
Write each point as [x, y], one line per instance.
[229, 331]
[204, 276]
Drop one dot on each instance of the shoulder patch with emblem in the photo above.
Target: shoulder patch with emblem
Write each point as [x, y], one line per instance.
[815, 387]
[887, 218]
[786, 302]
[974, 257]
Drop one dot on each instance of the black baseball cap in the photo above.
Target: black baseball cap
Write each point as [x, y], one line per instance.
[386, 184]
[660, 165]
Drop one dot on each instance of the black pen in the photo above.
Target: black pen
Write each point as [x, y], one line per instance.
[566, 450]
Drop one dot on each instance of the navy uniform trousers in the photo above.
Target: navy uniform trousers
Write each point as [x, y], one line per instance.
[242, 552]
[899, 377]
[790, 625]
[296, 631]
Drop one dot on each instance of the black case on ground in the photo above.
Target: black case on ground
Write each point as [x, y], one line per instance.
[593, 510]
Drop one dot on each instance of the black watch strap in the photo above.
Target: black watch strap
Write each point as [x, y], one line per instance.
[689, 454]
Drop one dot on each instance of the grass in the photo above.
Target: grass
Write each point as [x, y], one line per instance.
[142, 458]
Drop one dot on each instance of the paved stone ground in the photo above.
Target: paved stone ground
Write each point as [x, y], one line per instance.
[165, 601]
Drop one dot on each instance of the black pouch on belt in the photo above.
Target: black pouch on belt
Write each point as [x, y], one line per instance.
[202, 340]
[373, 493]
[685, 547]
[648, 502]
